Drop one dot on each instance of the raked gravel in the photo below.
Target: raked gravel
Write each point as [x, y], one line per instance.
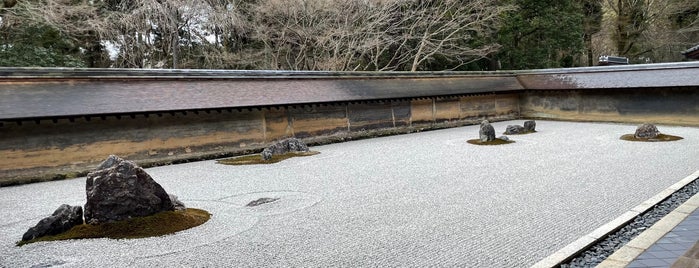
[422, 199]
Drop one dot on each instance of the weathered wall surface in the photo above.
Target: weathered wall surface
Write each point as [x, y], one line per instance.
[672, 106]
[53, 149]
[62, 122]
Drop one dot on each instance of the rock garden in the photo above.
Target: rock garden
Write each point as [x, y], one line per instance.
[123, 201]
[649, 133]
[275, 153]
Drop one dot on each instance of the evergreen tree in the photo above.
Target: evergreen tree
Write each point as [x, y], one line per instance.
[631, 22]
[541, 34]
[592, 24]
[25, 42]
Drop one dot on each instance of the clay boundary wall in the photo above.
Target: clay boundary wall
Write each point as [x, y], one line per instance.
[339, 107]
[55, 149]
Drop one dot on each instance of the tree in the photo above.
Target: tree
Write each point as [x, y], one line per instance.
[632, 19]
[271, 34]
[26, 41]
[648, 31]
[592, 24]
[446, 29]
[541, 34]
[373, 35]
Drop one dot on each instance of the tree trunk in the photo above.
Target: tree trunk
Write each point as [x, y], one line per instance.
[175, 46]
[588, 44]
[418, 54]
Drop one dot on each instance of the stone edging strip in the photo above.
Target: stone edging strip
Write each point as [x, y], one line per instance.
[629, 252]
[669, 221]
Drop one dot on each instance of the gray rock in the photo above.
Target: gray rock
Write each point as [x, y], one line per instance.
[120, 190]
[176, 202]
[261, 201]
[487, 132]
[647, 131]
[514, 129]
[529, 126]
[283, 147]
[64, 218]
[266, 154]
[505, 138]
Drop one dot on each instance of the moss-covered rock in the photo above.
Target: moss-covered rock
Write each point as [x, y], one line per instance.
[256, 159]
[657, 138]
[159, 224]
[496, 141]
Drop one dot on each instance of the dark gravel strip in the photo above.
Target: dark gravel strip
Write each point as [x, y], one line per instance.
[600, 251]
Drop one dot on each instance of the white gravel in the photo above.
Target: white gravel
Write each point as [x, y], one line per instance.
[424, 199]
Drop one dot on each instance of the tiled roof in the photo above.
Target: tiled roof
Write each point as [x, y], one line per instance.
[692, 52]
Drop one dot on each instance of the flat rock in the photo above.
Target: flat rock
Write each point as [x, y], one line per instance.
[514, 129]
[64, 218]
[261, 201]
[283, 147]
[120, 190]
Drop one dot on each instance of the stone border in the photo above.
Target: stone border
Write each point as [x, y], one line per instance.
[627, 252]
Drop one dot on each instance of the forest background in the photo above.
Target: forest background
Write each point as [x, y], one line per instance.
[343, 35]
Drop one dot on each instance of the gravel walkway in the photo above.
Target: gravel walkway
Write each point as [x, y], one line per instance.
[424, 199]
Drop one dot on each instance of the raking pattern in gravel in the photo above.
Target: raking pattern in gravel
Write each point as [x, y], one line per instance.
[412, 200]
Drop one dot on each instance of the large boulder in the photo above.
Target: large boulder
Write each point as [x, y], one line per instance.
[646, 131]
[514, 129]
[487, 132]
[64, 218]
[529, 126]
[283, 147]
[120, 190]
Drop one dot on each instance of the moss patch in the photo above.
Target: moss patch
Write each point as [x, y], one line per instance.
[494, 142]
[661, 137]
[159, 224]
[255, 159]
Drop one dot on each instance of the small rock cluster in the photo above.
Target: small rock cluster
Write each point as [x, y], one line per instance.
[529, 126]
[117, 190]
[487, 131]
[283, 147]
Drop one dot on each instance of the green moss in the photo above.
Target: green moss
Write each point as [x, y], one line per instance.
[159, 224]
[494, 142]
[257, 159]
[661, 137]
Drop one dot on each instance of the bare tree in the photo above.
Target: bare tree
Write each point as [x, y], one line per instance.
[378, 35]
[446, 27]
[75, 19]
[277, 34]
